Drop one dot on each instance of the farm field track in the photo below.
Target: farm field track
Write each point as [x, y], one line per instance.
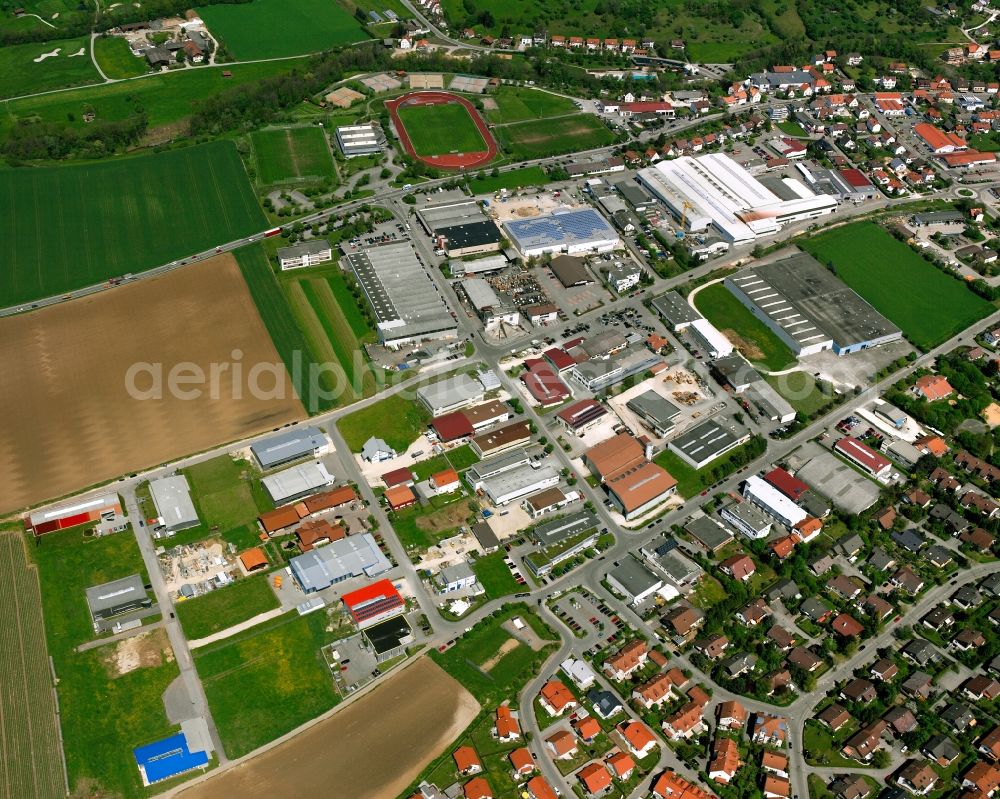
[67, 227]
[82, 427]
[928, 305]
[539, 138]
[31, 765]
[291, 154]
[373, 748]
[21, 73]
[276, 28]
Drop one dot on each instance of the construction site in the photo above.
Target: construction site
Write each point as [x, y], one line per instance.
[191, 570]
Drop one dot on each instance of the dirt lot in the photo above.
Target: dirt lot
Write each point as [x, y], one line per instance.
[373, 748]
[447, 518]
[70, 421]
[140, 651]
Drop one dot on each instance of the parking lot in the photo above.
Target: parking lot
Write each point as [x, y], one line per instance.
[588, 617]
[352, 663]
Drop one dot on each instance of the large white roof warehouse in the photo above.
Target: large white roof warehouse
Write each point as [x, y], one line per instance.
[572, 231]
[713, 191]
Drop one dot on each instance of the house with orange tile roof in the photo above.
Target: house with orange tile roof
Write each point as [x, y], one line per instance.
[685, 722]
[595, 778]
[983, 777]
[253, 559]
[539, 788]
[506, 728]
[522, 762]
[724, 760]
[477, 788]
[655, 692]
[587, 728]
[776, 788]
[445, 481]
[774, 762]
[933, 387]
[561, 744]
[989, 744]
[670, 785]
[467, 761]
[556, 698]
[731, 715]
[621, 765]
[638, 738]
[627, 660]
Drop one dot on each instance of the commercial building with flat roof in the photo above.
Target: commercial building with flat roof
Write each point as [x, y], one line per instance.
[405, 301]
[354, 556]
[489, 307]
[708, 533]
[450, 394]
[674, 310]
[736, 372]
[641, 489]
[634, 581]
[864, 456]
[61, 517]
[306, 253]
[172, 498]
[772, 501]
[580, 230]
[748, 519]
[560, 540]
[519, 482]
[714, 192]
[471, 238]
[708, 337]
[614, 455]
[769, 403]
[355, 140]
[298, 442]
[657, 412]
[297, 482]
[389, 638]
[515, 434]
[373, 603]
[596, 375]
[580, 416]
[491, 467]
[117, 597]
[809, 308]
[711, 439]
[570, 271]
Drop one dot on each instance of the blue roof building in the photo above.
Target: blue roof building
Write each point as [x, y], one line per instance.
[167, 758]
[577, 231]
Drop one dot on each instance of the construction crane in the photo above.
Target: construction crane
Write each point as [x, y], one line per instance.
[687, 207]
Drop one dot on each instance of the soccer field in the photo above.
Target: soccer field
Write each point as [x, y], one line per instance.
[276, 28]
[66, 227]
[440, 129]
[928, 305]
[553, 136]
[515, 104]
[291, 154]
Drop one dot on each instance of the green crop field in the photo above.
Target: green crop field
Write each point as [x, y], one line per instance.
[395, 419]
[748, 334]
[514, 179]
[165, 98]
[927, 304]
[277, 28]
[440, 129]
[516, 104]
[104, 714]
[66, 227]
[291, 155]
[21, 71]
[225, 607]
[32, 763]
[544, 137]
[116, 59]
[267, 681]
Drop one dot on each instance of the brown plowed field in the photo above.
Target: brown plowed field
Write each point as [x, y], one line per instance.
[69, 421]
[372, 748]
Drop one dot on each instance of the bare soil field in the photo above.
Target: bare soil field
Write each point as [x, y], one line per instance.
[373, 748]
[447, 518]
[145, 650]
[69, 417]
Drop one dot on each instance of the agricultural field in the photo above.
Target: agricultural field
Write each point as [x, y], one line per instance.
[41, 66]
[517, 104]
[266, 681]
[511, 180]
[927, 304]
[115, 58]
[166, 320]
[226, 607]
[526, 140]
[110, 697]
[395, 419]
[29, 730]
[748, 334]
[408, 720]
[73, 226]
[275, 28]
[441, 129]
[291, 155]
[166, 99]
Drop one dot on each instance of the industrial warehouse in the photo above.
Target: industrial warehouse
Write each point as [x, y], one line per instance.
[407, 305]
[809, 308]
[570, 231]
[713, 191]
[460, 228]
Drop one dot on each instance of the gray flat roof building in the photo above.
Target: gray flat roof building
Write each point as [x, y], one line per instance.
[305, 253]
[570, 271]
[771, 405]
[405, 301]
[635, 195]
[809, 308]
[711, 534]
[300, 442]
[655, 410]
[516, 483]
[709, 440]
[172, 498]
[559, 530]
[675, 310]
[297, 482]
[736, 372]
[450, 213]
[354, 556]
[491, 467]
[357, 140]
[486, 537]
[117, 597]
[634, 580]
[450, 394]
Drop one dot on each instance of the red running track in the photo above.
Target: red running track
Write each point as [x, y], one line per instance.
[449, 160]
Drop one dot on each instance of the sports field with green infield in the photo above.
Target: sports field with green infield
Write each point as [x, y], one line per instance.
[928, 305]
[441, 129]
[276, 28]
[24, 70]
[291, 155]
[544, 137]
[516, 104]
[66, 227]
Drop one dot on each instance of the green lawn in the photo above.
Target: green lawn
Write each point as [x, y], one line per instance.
[517, 103]
[291, 155]
[71, 226]
[927, 304]
[751, 336]
[103, 717]
[692, 481]
[792, 129]
[802, 390]
[820, 749]
[985, 142]
[222, 494]
[21, 71]
[164, 98]
[540, 138]
[421, 527]
[395, 419]
[441, 129]
[267, 681]
[225, 607]
[276, 28]
[116, 59]
[494, 575]
[514, 179]
[462, 457]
